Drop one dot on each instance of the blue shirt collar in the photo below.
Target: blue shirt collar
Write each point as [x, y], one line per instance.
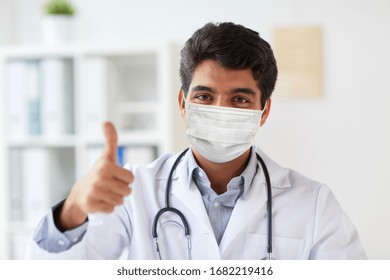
[247, 175]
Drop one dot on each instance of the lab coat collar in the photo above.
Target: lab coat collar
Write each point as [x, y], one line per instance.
[192, 165]
[183, 187]
[279, 176]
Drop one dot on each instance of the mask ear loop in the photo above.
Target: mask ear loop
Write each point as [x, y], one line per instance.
[262, 112]
[183, 101]
[184, 106]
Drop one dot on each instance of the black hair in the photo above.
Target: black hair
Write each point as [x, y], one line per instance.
[233, 46]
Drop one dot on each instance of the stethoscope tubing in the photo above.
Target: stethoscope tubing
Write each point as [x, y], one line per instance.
[269, 206]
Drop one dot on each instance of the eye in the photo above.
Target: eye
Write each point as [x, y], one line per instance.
[202, 98]
[239, 99]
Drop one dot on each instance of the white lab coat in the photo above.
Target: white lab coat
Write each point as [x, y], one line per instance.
[308, 222]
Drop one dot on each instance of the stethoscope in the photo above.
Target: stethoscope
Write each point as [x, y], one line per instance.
[168, 208]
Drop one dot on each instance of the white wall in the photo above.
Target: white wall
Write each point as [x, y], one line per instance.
[341, 139]
[7, 21]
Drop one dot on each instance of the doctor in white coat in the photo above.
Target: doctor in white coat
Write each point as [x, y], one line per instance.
[228, 74]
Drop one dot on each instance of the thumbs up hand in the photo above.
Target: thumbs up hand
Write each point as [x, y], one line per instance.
[103, 188]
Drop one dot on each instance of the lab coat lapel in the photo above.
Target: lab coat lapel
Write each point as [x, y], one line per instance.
[245, 210]
[189, 201]
[195, 212]
[189, 195]
[251, 205]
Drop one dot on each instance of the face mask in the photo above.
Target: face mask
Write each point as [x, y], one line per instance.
[221, 134]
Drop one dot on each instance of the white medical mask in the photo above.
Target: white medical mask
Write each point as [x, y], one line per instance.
[221, 134]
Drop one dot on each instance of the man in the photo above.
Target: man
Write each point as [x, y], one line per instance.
[219, 186]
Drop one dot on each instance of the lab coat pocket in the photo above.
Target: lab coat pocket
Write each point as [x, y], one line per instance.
[172, 239]
[282, 248]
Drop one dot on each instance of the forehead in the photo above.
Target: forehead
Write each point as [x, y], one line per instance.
[211, 73]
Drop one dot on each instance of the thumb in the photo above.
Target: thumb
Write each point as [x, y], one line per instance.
[111, 139]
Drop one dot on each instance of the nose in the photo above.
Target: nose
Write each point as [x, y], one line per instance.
[221, 102]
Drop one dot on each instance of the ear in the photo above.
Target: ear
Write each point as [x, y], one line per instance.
[181, 100]
[266, 112]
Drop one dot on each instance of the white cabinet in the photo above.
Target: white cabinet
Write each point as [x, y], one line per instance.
[53, 103]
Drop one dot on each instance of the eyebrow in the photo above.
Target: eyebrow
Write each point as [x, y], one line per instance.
[236, 90]
[244, 90]
[202, 88]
